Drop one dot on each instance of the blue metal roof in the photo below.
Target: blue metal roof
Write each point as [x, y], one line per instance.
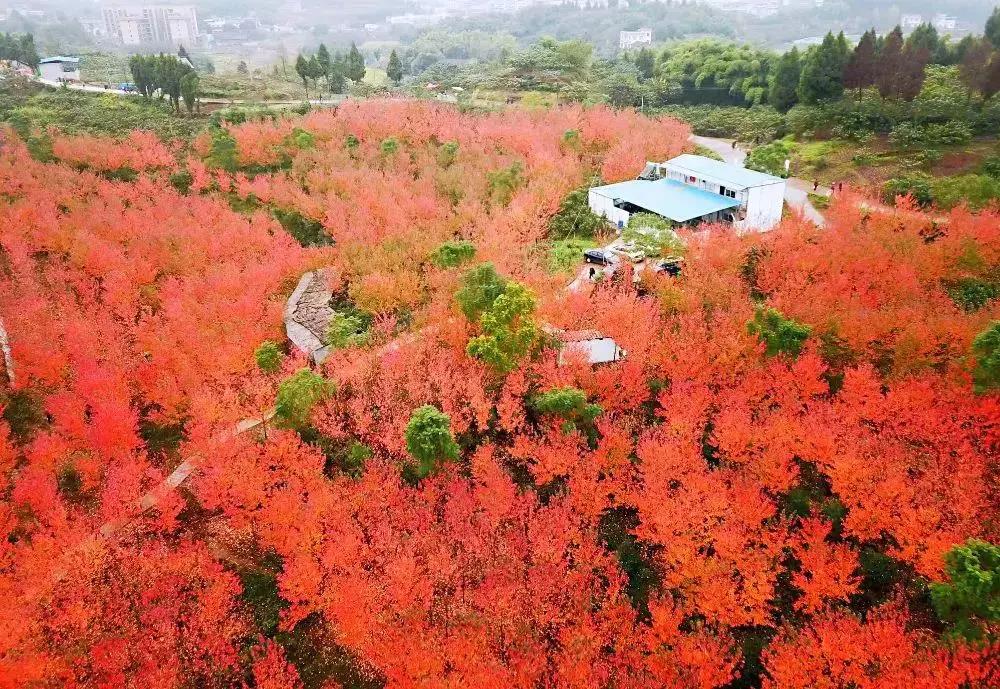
[58, 58]
[733, 174]
[667, 197]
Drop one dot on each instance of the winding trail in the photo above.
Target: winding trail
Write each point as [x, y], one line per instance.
[796, 189]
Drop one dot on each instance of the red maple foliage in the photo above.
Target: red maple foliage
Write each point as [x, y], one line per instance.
[727, 515]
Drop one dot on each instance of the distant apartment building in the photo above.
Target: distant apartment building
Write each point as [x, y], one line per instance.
[152, 24]
[908, 22]
[944, 22]
[629, 39]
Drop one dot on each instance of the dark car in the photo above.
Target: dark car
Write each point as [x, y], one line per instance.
[670, 266]
[600, 257]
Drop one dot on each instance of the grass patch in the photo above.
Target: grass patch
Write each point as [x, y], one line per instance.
[76, 112]
[565, 254]
[819, 201]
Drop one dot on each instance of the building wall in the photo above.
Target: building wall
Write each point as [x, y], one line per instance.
[158, 24]
[763, 208]
[53, 71]
[604, 206]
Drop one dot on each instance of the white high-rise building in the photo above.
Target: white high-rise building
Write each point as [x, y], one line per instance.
[152, 24]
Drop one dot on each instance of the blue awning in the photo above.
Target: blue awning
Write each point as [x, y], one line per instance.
[668, 198]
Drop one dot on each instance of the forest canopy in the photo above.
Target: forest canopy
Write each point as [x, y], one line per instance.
[790, 473]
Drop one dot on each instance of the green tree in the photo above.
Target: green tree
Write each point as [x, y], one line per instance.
[568, 403]
[453, 254]
[480, 287]
[822, 77]
[355, 65]
[302, 69]
[780, 335]
[970, 600]
[574, 217]
[268, 356]
[189, 90]
[324, 61]
[992, 31]
[986, 350]
[297, 395]
[653, 235]
[394, 70]
[509, 330]
[645, 62]
[784, 81]
[429, 440]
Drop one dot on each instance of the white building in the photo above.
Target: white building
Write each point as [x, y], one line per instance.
[629, 39]
[152, 24]
[908, 22]
[60, 68]
[690, 190]
[591, 345]
[944, 22]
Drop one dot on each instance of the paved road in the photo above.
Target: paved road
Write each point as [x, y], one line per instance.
[93, 88]
[796, 190]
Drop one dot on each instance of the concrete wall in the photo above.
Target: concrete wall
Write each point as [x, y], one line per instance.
[605, 206]
[763, 208]
[53, 71]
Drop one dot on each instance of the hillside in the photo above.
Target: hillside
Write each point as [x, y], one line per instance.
[790, 474]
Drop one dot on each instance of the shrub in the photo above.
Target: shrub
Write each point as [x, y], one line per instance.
[347, 329]
[976, 190]
[268, 356]
[453, 254]
[429, 440]
[480, 288]
[307, 232]
[297, 395]
[770, 158]
[918, 187]
[972, 294]
[780, 335]
[569, 404]
[986, 351]
[991, 166]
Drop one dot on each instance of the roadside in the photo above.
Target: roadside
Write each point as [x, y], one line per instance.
[796, 190]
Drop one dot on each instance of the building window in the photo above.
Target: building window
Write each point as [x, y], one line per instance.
[731, 193]
[692, 179]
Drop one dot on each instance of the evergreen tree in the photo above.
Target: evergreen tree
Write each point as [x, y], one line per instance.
[338, 82]
[355, 65]
[784, 81]
[323, 59]
[394, 70]
[315, 69]
[189, 90]
[890, 61]
[992, 31]
[822, 77]
[302, 69]
[860, 70]
[926, 36]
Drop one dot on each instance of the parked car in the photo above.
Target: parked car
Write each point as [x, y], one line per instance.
[631, 252]
[671, 266]
[599, 256]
